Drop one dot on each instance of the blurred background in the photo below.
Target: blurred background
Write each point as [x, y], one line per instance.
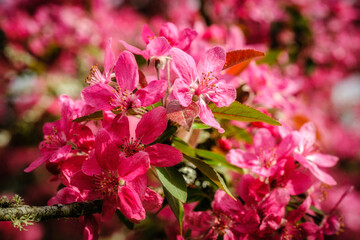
[311, 70]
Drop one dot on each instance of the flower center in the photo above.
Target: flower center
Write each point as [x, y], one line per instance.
[131, 146]
[221, 223]
[55, 140]
[95, 76]
[107, 182]
[207, 83]
[122, 100]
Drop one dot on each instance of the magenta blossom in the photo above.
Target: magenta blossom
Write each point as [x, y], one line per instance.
[63, 136]
[202, 83]
[102, 96]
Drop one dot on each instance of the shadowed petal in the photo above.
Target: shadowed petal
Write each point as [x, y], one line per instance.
[106, 152]
[152, 125]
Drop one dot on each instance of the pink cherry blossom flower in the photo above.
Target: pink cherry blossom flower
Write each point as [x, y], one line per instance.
[267, 158]
[102, 96]
[202, 83]
[63, 136]
[308, 156]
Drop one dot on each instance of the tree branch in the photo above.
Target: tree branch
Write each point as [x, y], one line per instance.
[36, 214]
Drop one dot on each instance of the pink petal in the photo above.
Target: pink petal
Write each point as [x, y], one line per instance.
[185, 65]
[65, 195]
[152, 125]
[134, 166]
[207, 117]
[298, 183]
[60, 154]
[98, 96]
[287, 145]
[186, 37]
[131, 48]
[130, 204]
[182, 93]
[90, 166]
[242, 159]
[37, 162]
[151, 94]
[321, 175]
[152, 201]
[158, 47]
[170, 32]
[162, 155]
[83, 137]
[147, 34]
[213, 61]
[308, 133]
[139, 184]
[224, 95]
[323, 160]
[126, 71]
[118, 129]
[109, 59]
[106, 152]
[263, 140]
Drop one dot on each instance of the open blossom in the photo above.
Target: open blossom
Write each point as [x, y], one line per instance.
[267, 158]
[63, 136]
[118, 163]
[102, 96]
[307, 154]
[201, 83]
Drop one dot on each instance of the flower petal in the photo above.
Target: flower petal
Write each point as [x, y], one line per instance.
[109, 60]
[126, 71]
[134, 166]
[130, 204]
[185, 65]
[224, 95]
[106, 152]
[213, 61]
[162, 155]
[98, 96]
[170, 32]
[207, 117]
[323, 160]
[152, 125]
[158, 47]
[182, 93]
[90, 166]
[147, 34]
[151, 94]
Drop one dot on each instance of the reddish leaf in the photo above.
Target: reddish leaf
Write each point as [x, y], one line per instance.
[184, 116]
[239, 59]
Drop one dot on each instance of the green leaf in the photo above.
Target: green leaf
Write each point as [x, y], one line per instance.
[98, 115]
[167, 134]
[238, 133]
[200, 126]
[176, 206]
[317, 210]
[240, 112]
[216, 159]
[173, 181]
[210, 173]
[183, 147]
